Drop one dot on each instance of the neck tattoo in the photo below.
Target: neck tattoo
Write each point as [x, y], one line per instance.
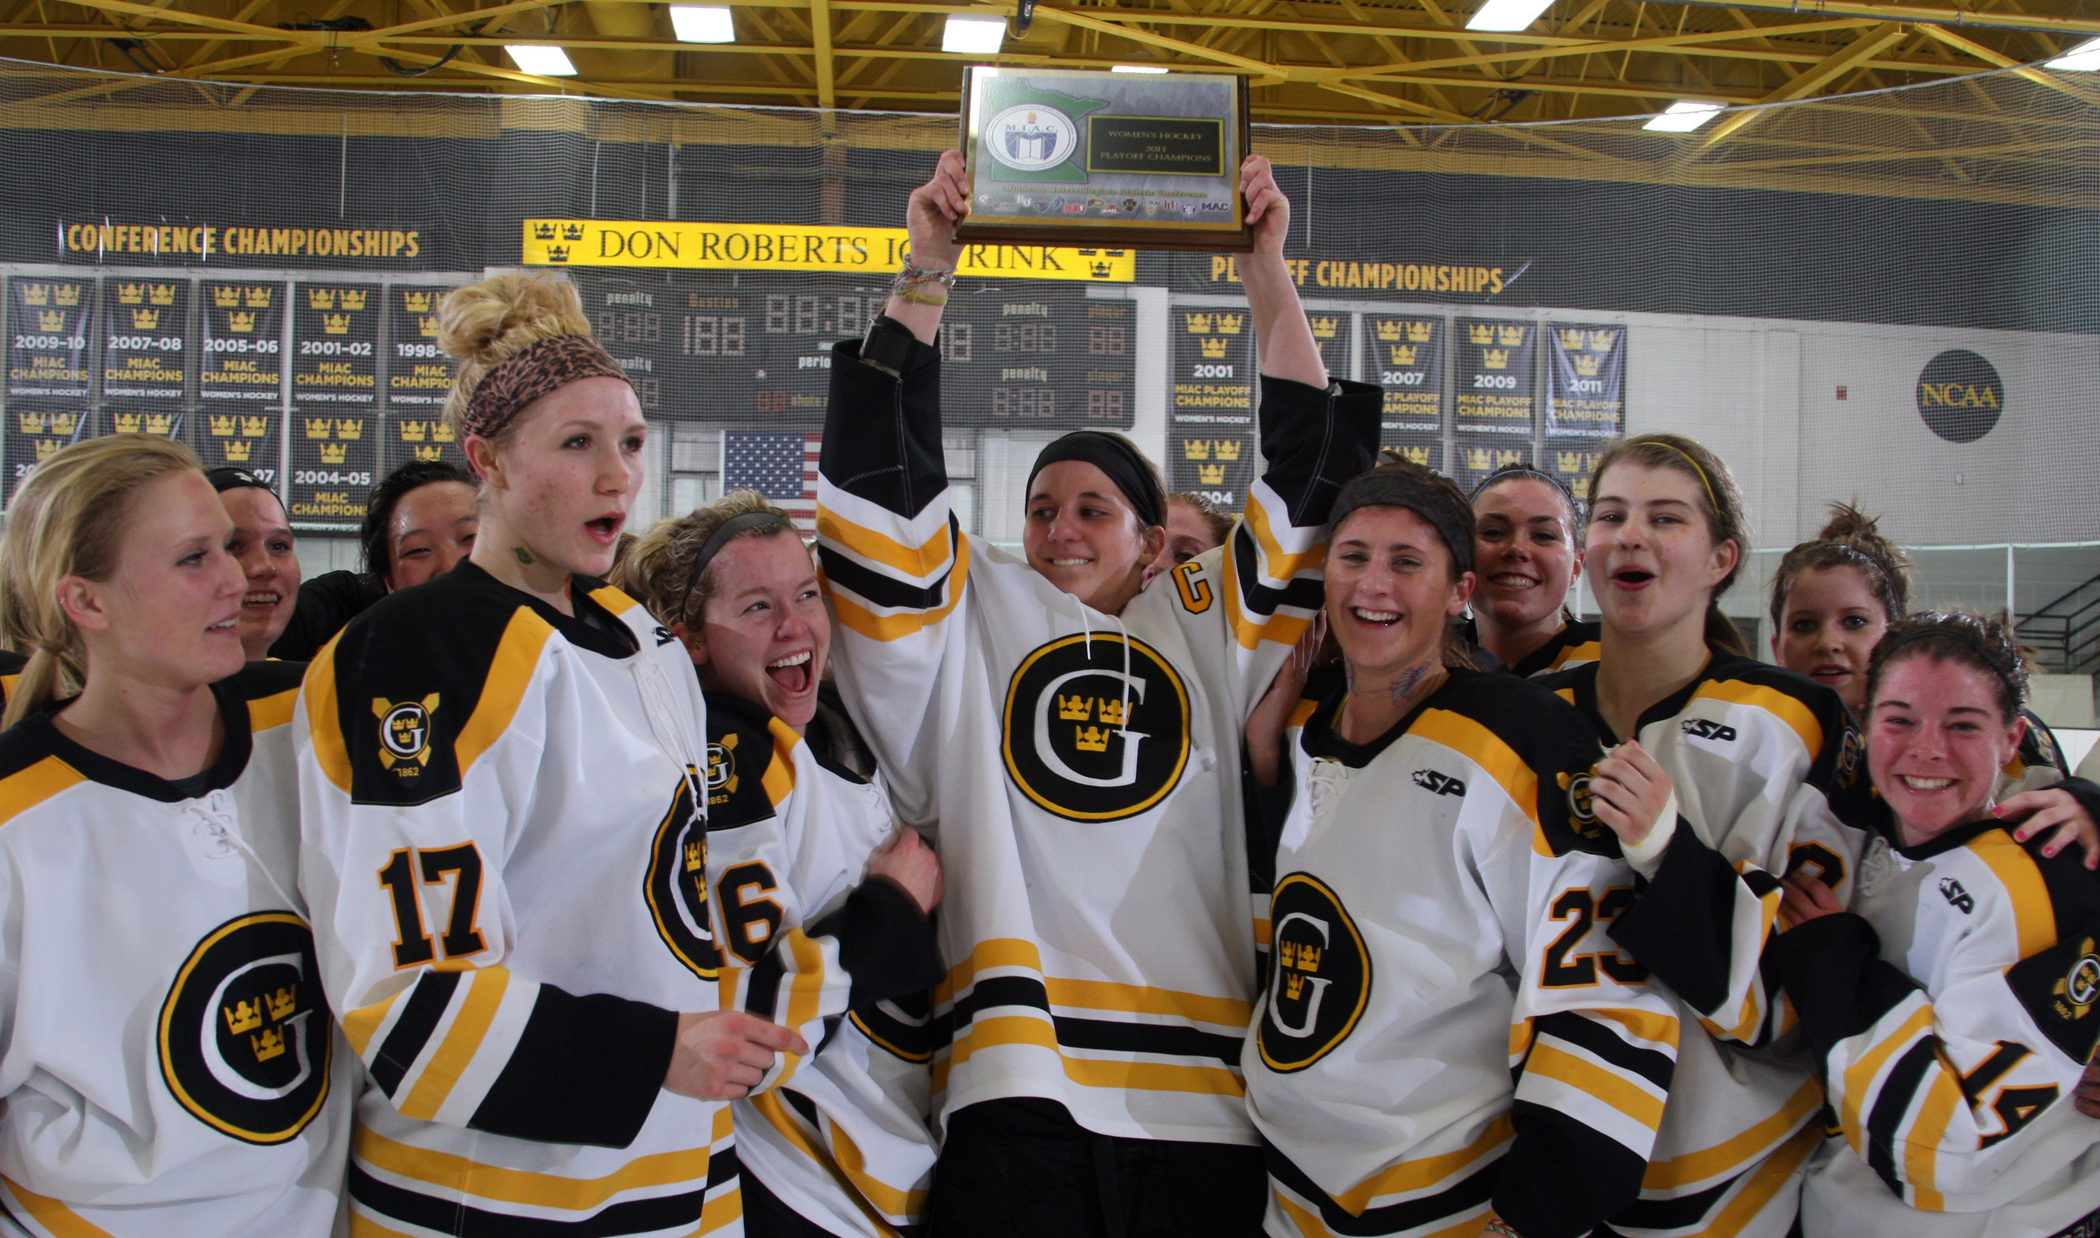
[1410, 679]
[524, 555]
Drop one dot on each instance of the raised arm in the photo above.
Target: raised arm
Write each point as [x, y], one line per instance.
[1288, 349]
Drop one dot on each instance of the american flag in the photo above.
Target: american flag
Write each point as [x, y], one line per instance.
[783, 467]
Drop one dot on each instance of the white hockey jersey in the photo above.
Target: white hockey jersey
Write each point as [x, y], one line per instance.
[1952, 1012]
[167, 1059]
[1438, 930]
[843, 1140]
[1082, 768]
[507, 866]
[1767, 767]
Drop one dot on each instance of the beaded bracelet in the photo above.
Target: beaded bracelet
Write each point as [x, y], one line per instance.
[1496, 1225]
[910, 280]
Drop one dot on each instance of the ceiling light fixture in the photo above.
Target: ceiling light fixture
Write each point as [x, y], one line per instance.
[1683, 116]
[702, 23]
[2084, 58]
[540, 59]
[973, 36]
[1508, 15]
[1137, 68]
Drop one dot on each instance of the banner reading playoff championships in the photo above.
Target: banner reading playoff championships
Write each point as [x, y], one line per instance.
[1495, 388]
[1405, 355]
[1586, 380]
[1211, 445]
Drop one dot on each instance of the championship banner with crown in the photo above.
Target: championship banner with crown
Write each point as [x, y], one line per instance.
[1474, 457]
[335, 344]
[33, 435]
[1404, 353]
[145, 356]
[418, 374]
[1572, 461]
[1496, 388]
[334, 464]
[50, 325]
[1211, 443]
[247, 438]
[1585, 379]
[243, 331]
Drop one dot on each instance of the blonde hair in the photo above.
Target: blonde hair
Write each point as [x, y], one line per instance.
[485, 324]
[69, 520]
[1727, 518]
[655, 572]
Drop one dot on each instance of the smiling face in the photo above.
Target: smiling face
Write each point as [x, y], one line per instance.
[1523, 552]
[1084, 537]
[1935, 743]
[262, 542]
[560, 487]
[1651, 557]
[1831, 624]
[764, 635]
[1390, 589]
[171, 612]
[431, 530]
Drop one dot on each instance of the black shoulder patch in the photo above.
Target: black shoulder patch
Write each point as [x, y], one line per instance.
[2060, 986]
[409, 673]
[1553, 741]
[1840, 768]
[2038, 746]
[739, 750]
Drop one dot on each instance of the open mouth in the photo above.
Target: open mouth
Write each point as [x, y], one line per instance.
[1376, 618]
[224, 625]
[1514, 583]
[261, 599]
[792, 672]
[606, 529]
[1925, 784]
[1831, 673]
[1632, 577]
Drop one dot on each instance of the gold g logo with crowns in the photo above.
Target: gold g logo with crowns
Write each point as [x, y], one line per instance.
[1096, 728]
[2077, 991]
[404, 733]
[1582, 806]
[1319, 975]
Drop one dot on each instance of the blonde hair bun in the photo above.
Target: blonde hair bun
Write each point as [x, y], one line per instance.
[483, 325]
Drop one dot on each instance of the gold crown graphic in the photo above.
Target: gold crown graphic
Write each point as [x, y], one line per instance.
[243, 1016]
[131, 294]
[1512, 336]
[320, 298]
[1495, 358]
[430, 453]
[1114, 712]
[284, 1003]
[1571, 337]
[160, 423]
[1199, 324]
[354, 298]
[1403, 354]
[1229, 324]
[1196, 449]
[428, 325]
[1575, 463]
[32, 423]
[335, 324]
[695, 857]
[1587, 364]
[1301, 957]
[1090, 738]
[161, 294]
[1415, 454]
[1390, 331]
[36, 294]
[267, 1045]
[1074, 708]
[414, 431]
[254, 427]
[226, 296]
[1227, 449]
[241, 320]
[349, 430]
[334, 453]
[50, 320]
[441, 432]
[256, 298]
[145, 319]
[68, 294]
[319, 427]
[224, 425]
[1210, 474]
[65, 423]
[47, 447]
[1481, 333]
[417, 302]
[1214, 346]
[1418, 332]
[1325, 328]
[238, 452]
[1293, 985]
[1488, 459]
[129, 423]
[1601, 341]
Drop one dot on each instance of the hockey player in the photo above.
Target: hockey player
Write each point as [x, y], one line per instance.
[842, 1146]
[1756, 756]
[1952, 1007]
[504, 839]
[262, 541]
[1194, 525]
[1832, 601]
[1076, 743]
[1529, 551]
[1442, 839]
[169, 1067]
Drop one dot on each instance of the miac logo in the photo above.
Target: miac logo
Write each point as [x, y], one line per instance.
[404, 733]
[244, 1035]
[1096, 727]
[1319, 975]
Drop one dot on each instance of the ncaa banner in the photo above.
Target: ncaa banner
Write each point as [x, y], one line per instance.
[1586, 380]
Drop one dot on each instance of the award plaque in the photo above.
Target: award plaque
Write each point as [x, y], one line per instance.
[1077, 157]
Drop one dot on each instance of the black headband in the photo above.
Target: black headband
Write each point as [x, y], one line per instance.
[1120, 461]
[1419, 493]
[729, 529]
[2012, 689]
[1512, 471]
[228, 478]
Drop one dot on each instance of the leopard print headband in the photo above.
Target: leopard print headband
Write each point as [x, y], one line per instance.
[541, 369]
